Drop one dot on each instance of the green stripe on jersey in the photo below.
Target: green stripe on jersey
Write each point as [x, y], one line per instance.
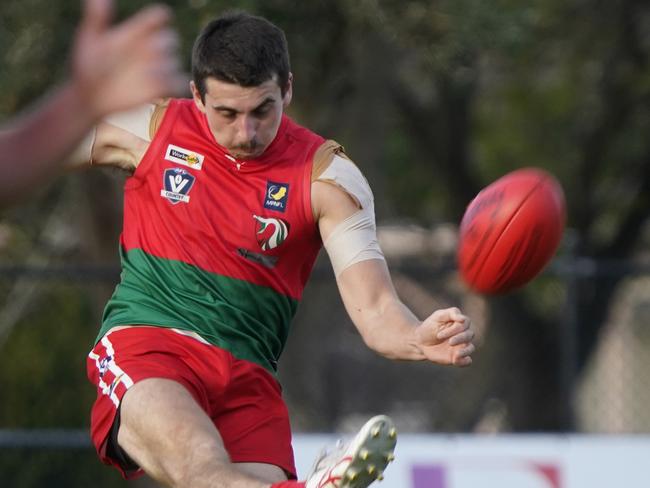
[250, 321]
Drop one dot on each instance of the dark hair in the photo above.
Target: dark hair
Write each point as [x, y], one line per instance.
[240, 48]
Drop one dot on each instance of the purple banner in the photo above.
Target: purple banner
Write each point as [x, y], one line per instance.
[428, 476]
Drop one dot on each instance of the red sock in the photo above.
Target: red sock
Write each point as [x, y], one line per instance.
[289, 484]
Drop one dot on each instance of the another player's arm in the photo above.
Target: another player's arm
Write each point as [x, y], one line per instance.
[38, 138]
[114, 67]
[52, 132]
[385, 323]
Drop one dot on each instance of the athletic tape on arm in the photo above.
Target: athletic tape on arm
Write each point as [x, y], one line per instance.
[82, 154]
[354, 239]
[136, 121]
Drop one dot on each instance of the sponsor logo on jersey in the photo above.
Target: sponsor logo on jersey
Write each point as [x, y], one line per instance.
[270, 232]
[179, 155]
[177, 183]
[259, 258]
[276, 196]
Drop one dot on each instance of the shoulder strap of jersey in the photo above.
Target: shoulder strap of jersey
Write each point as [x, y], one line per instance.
[323, 157]
[157, 116]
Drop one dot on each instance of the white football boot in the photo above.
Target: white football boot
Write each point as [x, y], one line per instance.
[359, 462]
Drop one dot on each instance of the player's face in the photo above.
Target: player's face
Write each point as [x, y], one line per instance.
[243, 120]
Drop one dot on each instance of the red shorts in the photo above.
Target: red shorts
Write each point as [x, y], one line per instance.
[243, 399]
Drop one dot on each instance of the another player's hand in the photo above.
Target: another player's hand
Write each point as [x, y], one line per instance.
[445, 337]
[122, 66]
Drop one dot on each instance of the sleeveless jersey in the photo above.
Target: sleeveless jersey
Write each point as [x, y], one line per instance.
[214, 245]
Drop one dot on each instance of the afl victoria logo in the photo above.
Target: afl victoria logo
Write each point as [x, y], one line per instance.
[270, 232]
[177, 184]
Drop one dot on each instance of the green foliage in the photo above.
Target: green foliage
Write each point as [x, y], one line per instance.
[43, 362]
[56, 468]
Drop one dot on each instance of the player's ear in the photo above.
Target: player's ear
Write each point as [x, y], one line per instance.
[288, 94]
[196, 94]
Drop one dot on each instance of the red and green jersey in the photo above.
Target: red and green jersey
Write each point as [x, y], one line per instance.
[215, 245]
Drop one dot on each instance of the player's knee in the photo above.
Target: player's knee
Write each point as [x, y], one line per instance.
[184, 470]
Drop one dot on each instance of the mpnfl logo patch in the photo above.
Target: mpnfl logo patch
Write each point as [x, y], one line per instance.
[177, 184]
[179, 155]
[276, 196]
[270, 233]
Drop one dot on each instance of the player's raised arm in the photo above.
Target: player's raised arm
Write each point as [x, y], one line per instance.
[113, 68]
[343, 206]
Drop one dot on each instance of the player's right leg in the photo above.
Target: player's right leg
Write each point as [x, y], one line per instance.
[356, 464]
[361, 461]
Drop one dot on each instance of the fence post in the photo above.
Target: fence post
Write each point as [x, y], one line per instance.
[571, 270]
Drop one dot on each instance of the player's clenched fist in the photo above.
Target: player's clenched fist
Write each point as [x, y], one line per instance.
[445, 337]
[117, 67]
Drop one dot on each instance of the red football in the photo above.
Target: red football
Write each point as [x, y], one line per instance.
[511, 230]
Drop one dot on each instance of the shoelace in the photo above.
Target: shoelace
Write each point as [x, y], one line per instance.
[325, 454]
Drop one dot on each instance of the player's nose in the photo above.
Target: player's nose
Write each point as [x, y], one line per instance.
[246, 130]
